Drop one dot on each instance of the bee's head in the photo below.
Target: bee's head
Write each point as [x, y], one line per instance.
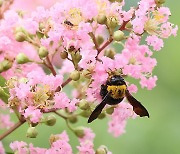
[116, 80]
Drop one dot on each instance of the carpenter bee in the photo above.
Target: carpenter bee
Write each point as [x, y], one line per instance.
[113, 92]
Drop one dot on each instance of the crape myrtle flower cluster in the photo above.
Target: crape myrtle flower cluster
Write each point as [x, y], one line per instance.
[68, 44]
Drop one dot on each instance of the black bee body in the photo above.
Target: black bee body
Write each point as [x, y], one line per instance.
[113, 92]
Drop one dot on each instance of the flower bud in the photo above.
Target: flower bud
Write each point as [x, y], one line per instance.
[20, 37]
[85, 113]
[102, 150]
[20, 29]
[64, 55]
[21, 58]
[78, 57]
[112, 22]
[75, 75]
[83, 104]
[43, 52]
[6, 64]
[102, 116]
[118, 35]
[129, 25]
[79, 131]
[101, 19]
[99, 40]
[159, 1]
[110, 53]
[50, 120]
[73, 119]
[110, 110]
[32, 132]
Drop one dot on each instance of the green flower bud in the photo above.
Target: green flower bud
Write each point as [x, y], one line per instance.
[110, 110]
[112, 22]
[72, 119]
[99, 40]
[20, 37]
[64, 55]
[43, 52]
[102, 150]
[101, 19]
[118, 35]
[79, 131]
[83, 104]
[32, 132]
[21, 58]
[78, 57]
[20, 29]
[50, 120]
[129, 25]
[110, 53]
[159, 1]
[6, 64]
[85, 113]
[75, 75]
[102, 116]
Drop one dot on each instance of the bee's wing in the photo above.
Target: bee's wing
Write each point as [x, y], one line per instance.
[98, 109]
[138, 108]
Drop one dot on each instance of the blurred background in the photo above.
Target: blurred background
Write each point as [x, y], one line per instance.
[160, 134]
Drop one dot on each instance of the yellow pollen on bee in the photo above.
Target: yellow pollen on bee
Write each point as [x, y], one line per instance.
[117, 92]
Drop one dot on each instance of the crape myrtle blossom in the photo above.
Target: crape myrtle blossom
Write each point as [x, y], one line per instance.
[68, 44]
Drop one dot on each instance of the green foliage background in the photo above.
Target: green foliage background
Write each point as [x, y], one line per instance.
[160, 134]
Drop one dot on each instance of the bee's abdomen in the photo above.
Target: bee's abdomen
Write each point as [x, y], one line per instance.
[116, 91]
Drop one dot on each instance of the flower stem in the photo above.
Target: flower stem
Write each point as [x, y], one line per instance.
[9, 131]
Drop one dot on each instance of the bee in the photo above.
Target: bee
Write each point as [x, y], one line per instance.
[112, 93]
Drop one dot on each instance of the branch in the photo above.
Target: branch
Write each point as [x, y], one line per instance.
[50, 66]
[9, 131]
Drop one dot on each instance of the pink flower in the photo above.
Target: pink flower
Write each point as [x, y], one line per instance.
[149, 83]
[36, 150]
[61, 100]
[86, 148]
[33, 114]
[5, 121]
[89, 135]
[72, 105]
[155, 42]
[61, 146]
[2, 151]
[120, 115]
[132, 88]
[19, 146]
